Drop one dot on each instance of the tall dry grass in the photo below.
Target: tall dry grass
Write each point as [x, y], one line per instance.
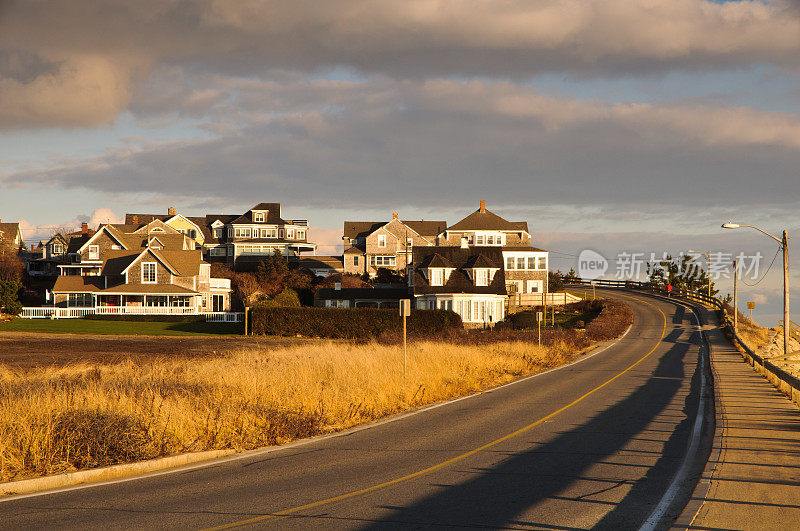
[58, 419]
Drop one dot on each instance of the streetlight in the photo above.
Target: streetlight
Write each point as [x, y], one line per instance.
[708, 265]
[785, 244]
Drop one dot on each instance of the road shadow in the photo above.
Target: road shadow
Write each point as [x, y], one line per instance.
[496, 497]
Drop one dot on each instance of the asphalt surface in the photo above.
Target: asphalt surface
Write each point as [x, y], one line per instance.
[592, 445]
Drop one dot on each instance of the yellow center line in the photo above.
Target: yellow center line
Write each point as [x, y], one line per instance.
[455, 459]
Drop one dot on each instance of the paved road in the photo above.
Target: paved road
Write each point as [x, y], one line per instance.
[594, 444]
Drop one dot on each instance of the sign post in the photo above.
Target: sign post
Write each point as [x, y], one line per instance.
[405, 311]
[750, 306]
[539, 321]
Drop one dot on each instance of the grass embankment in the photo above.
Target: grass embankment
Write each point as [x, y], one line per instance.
[134, 328]
[750, 333]
[81, 416]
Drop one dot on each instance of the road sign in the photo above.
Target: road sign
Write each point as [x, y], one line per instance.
[751, 305]
[405, 307]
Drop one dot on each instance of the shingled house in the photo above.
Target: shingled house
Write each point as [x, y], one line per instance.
[148, 268]
[10, 238]
[242, 240]
[525, 266]
[468, 280]
[370, 245]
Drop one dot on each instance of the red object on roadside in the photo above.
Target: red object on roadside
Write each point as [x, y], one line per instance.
[669, 287]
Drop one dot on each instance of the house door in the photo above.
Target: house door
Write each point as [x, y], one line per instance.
[217, 303]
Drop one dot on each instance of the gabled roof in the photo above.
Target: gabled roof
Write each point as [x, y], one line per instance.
[113, 231]
[9, 231]
[273, 215]
[436, 260]
[487, 220]
[462, 260]
[362, 229]
[479, 261]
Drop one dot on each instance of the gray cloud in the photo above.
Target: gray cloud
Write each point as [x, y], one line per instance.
[102, 51]
[405, 142]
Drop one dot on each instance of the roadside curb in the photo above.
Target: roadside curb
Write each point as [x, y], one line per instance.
[26, 486]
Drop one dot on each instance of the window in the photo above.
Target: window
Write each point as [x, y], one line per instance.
[94, 252]
[355, 260]
[193, 234]
[542, 262]
[520, 262]
[381, 240]
[490, 240]
[437, 277]
[479, 239]
[148, 272]
[280, 233]
[289, 234]
[510, 262]
[218, 251]
[180, 302]
[258, 217]
[218, 232]
[301, 235]
[481, 277]
[531, 262]
[115, 247]
[383, 261]
[409, 243]
[79, 300]
[58, 249]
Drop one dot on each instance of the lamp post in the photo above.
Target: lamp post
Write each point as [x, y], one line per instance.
[708, 265]
[784, 241]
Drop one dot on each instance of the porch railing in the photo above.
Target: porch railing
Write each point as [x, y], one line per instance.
[48, 312]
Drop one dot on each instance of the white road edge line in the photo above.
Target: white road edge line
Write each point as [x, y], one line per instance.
[296, 444]
[680, 476]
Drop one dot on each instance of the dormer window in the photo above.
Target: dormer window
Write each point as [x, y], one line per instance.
[258, 217]
[481, 277]
[438, 276]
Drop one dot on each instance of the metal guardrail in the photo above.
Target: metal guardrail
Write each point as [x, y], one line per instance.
[787, 383]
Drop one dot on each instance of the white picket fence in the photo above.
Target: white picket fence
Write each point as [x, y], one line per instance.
[49, 312]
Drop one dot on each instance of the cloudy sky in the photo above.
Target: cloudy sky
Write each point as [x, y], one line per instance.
[636, 125]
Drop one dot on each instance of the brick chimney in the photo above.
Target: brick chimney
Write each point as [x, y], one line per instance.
[84, 228]
[135, 219]
[483, 205]
[395, 215]
[171, 211]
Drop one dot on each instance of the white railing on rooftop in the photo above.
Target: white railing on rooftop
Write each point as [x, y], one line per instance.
[220, 283]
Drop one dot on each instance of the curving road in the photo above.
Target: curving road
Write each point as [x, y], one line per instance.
[594, 444]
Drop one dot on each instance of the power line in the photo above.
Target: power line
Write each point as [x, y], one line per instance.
[765, 272]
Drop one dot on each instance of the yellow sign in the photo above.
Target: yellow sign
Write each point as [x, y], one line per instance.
[751, 305]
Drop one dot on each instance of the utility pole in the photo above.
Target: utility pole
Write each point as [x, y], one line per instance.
[787, 325]
[735, 298]
[784, 241]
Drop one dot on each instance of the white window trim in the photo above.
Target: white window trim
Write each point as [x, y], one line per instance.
[258, 217]
[382, 241]
[155, 270]
[94, 252]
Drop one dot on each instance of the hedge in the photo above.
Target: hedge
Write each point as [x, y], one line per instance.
[348, 323]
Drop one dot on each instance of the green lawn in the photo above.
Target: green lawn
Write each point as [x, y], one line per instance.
[138, 328]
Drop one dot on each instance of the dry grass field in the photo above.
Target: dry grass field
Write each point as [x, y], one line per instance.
[71, 417]
[99, 410]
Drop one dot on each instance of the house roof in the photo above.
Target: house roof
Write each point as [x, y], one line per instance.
[77, 284]
[487, 220]
[354, 250]
[525, 248]
[319, 262]
[273, 214]
[149, 289]
[436, 260]
[362, 229]
[462, 260]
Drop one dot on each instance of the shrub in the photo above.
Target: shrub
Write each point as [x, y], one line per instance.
[614, 319]
[285, 299]
[350, 323]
